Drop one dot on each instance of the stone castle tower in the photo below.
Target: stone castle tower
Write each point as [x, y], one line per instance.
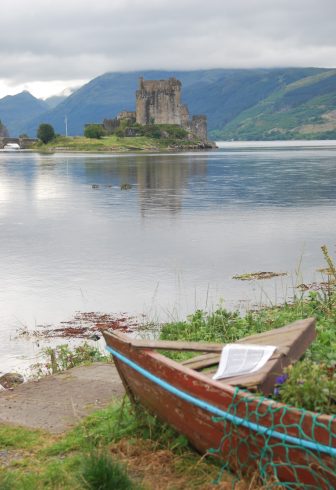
[159, 102]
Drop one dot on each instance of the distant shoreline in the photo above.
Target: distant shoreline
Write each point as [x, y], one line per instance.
[115, 144]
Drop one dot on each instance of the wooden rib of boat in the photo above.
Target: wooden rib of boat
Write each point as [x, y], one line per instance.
[250, 432]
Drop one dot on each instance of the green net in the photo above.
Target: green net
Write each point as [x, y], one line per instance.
[284, 447]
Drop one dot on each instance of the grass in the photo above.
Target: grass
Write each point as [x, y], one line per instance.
[121, 448]
[13, 437]
[89, 456]
[282, 116]
[311, 383]
[316, 369]
[99, 471]
[62, 357]
[114, 143]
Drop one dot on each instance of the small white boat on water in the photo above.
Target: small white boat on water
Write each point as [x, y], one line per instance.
[12, 147]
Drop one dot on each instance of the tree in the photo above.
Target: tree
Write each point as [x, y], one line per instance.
[3, 131]
[45, 132]
[94, 131]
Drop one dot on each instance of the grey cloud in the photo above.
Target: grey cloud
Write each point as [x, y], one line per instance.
[48, 40]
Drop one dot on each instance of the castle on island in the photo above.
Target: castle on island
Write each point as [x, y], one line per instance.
[159, 102]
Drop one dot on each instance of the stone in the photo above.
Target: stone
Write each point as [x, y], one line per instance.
[159, 102]
[9, 380]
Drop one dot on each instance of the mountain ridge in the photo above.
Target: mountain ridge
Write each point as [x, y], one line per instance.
[20, 107]
[276, 103]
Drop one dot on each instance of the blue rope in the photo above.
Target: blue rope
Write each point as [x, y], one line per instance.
[218, 412]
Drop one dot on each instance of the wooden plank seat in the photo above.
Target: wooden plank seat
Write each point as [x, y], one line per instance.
[291, 343]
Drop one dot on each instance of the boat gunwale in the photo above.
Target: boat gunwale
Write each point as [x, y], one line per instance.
[234, 392]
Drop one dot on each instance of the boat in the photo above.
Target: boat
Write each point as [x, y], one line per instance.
[249, 432]
[12, 147]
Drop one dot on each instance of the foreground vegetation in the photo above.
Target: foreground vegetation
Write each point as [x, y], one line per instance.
[311, 382]
[114, 448]
[123, 448]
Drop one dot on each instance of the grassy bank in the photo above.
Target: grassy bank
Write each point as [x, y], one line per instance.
[115, 144]
[112, 449]
[118, 448]
[311, 382]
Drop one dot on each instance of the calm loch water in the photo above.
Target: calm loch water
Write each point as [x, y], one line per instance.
[72, 240]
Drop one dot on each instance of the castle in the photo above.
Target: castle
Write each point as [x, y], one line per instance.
[159, 102]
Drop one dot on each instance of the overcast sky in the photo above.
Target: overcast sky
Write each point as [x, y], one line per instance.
[48, 45]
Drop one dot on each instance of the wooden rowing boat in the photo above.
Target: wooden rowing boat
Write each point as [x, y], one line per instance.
[247, 431]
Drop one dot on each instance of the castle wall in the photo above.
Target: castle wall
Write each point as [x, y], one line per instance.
[110, 125]
[158, 102]
[126, 115]
[199, 127]
[185, 116]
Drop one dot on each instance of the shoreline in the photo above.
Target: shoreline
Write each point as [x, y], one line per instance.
[115, 144]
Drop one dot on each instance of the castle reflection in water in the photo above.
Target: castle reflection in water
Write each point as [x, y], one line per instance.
[162, 182]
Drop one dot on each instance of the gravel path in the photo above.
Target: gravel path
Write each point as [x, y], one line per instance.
[56, 403]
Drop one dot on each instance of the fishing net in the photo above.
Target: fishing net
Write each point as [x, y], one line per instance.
[285, 448]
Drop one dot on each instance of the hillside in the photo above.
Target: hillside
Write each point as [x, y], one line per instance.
[282, 103]
[305, 109]
[54, 100]
[220, 94]
[17, 110]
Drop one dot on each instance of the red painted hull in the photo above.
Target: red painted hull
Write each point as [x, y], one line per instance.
[243, 448]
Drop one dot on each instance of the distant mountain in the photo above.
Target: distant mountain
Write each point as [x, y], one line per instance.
[240, 104]
[54, 100]
[17, 110]
[221, 94]
[305, 109]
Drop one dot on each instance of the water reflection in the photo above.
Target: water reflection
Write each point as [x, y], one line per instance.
[71, 239]
[162, 184]
[258, 178]
[172, 182]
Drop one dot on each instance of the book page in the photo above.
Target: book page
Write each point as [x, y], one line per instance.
[238, 359]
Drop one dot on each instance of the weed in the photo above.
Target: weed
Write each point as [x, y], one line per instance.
[100, 472]
[62, 357]
[224, 327]
[310, 385]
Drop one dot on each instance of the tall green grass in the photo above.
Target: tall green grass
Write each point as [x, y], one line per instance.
[316, 369]
[100, 472]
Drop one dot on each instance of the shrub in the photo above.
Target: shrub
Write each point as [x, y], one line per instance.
[45, 133]
[94, 131]
[62, 357]
[310, 385]
[3, 130]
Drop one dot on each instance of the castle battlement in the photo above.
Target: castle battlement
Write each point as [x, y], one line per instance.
[147, 86]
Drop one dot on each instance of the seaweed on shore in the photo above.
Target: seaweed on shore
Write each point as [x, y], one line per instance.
[83, 325]
[251, 276]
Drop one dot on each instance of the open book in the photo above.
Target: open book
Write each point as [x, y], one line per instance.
[237, 359]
